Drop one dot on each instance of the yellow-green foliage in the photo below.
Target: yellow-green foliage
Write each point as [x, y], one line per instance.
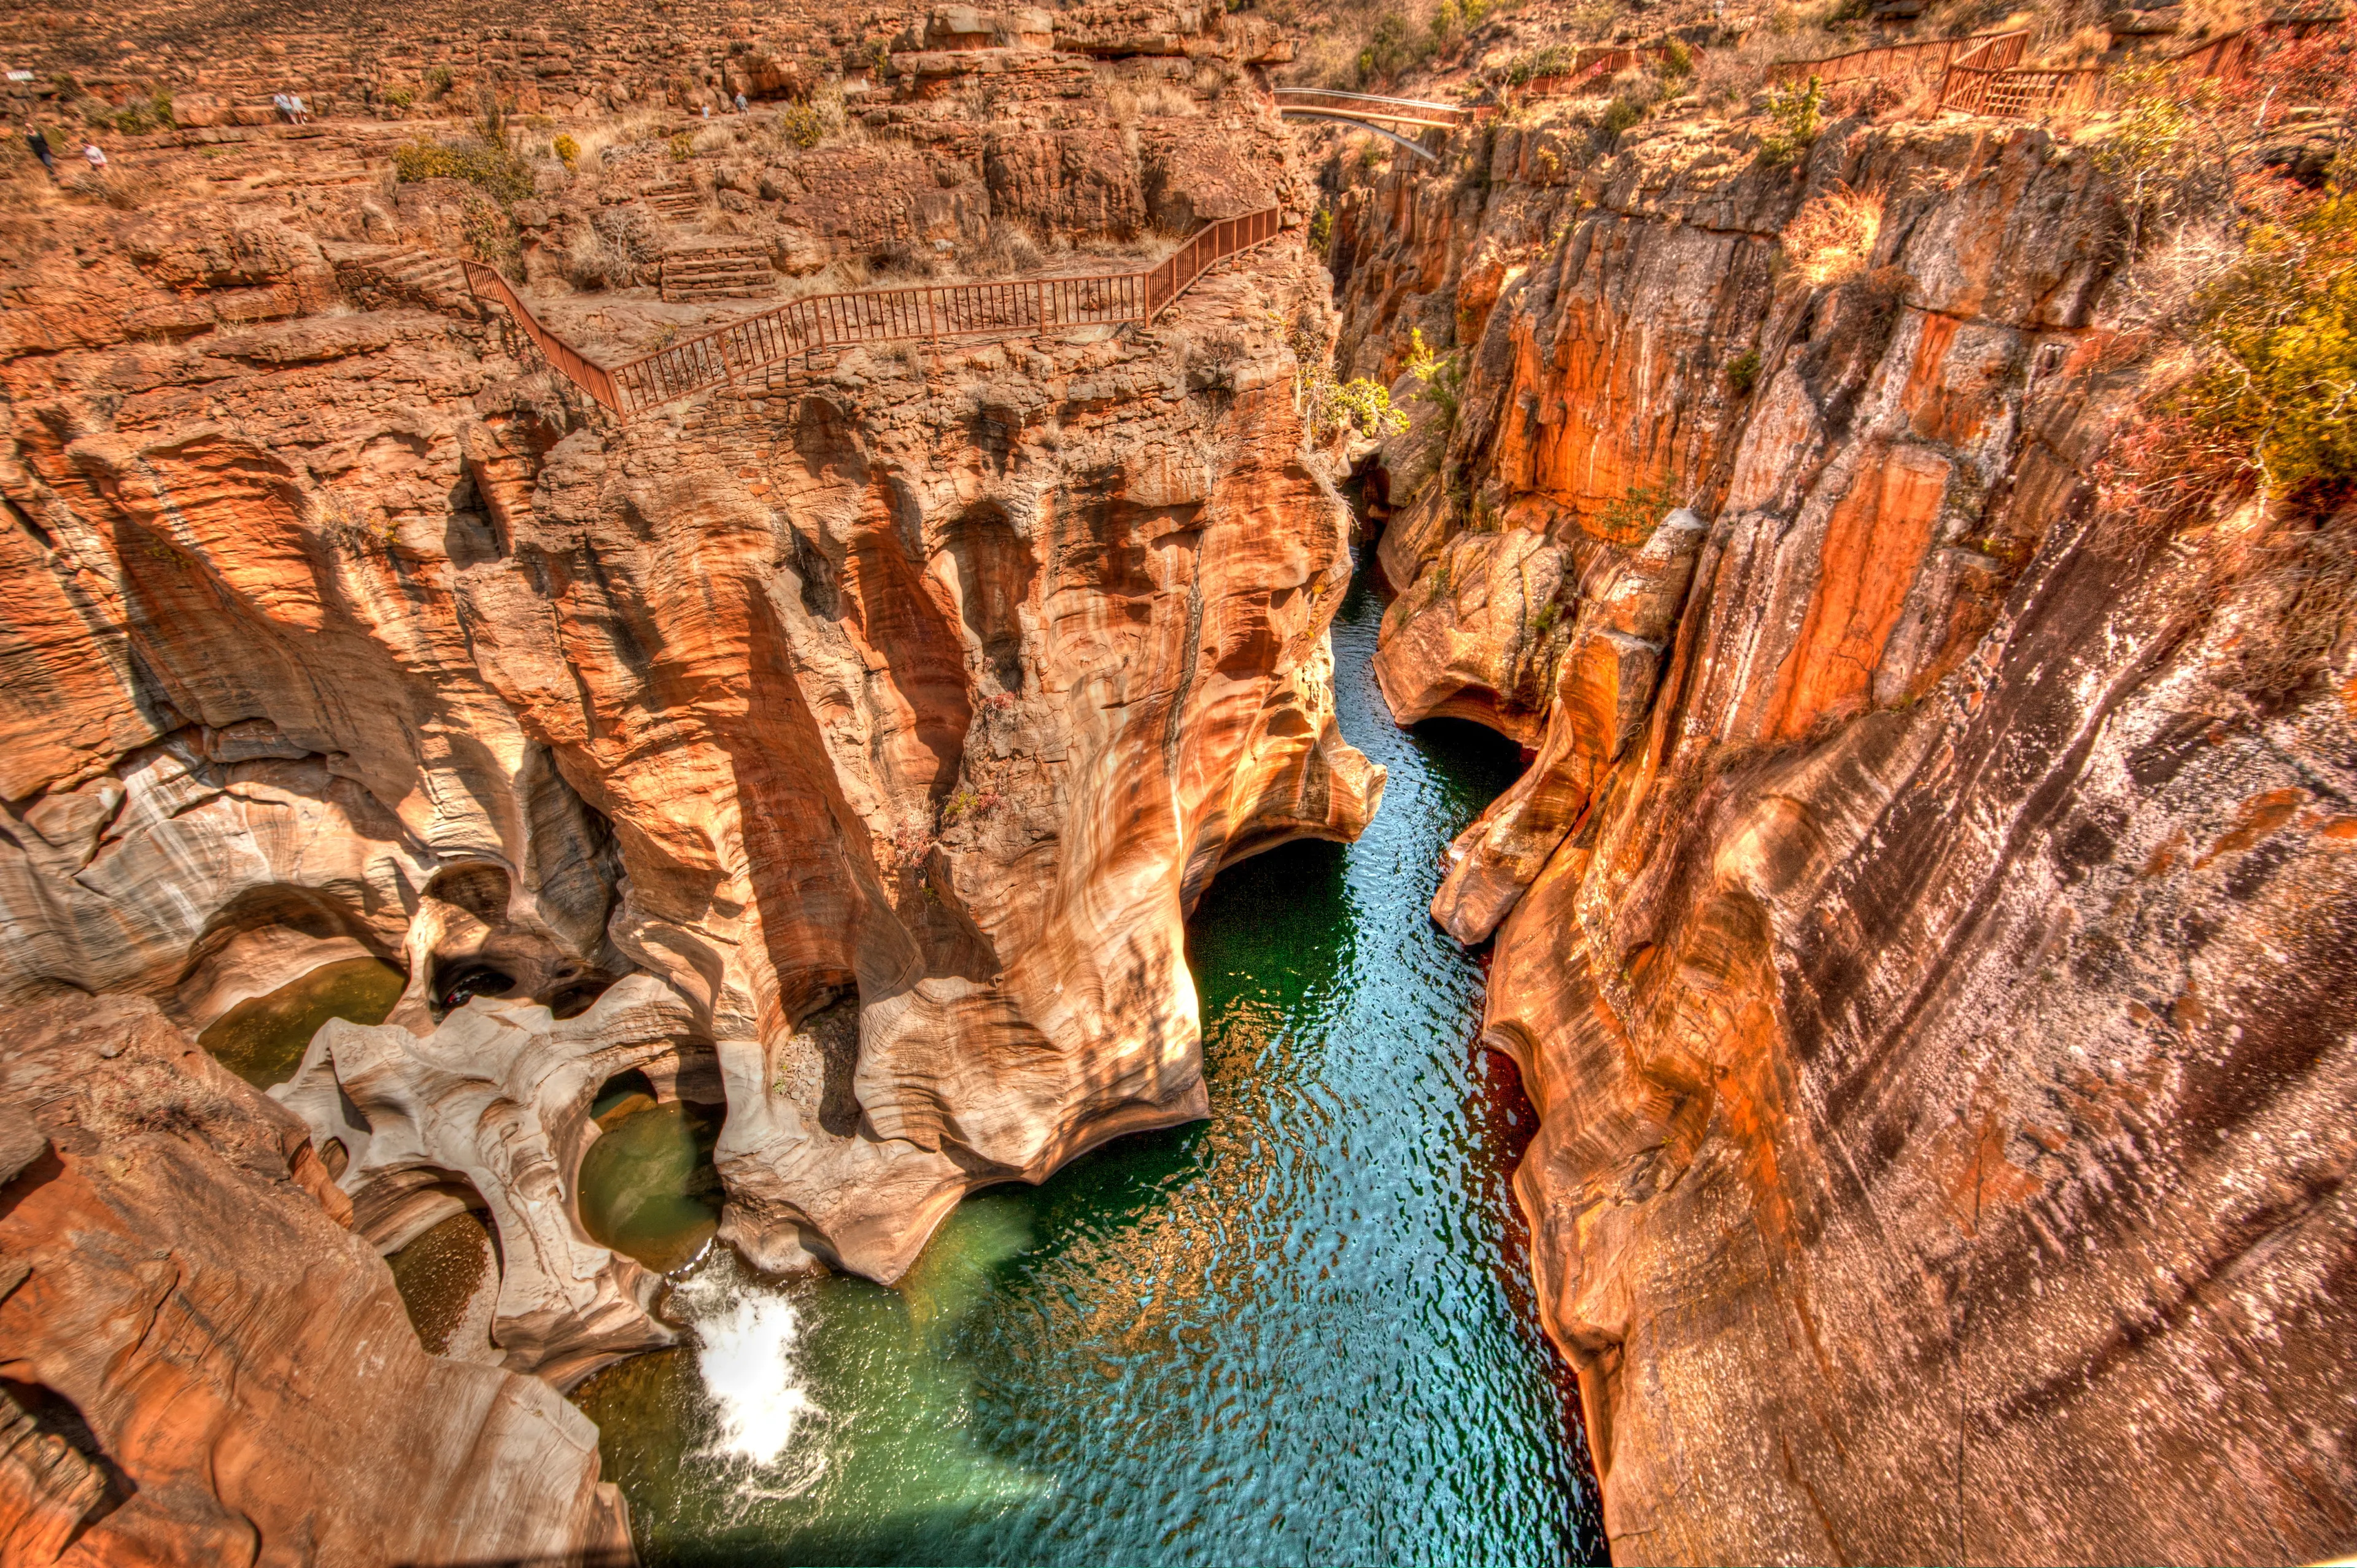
[2282, 328]
[488, 164]
[1631, 519]
[1441, 375]
[1321, 230]
[802, 126]
[1331, 407]
[1794, 109]
[567, 150]
[682, 146]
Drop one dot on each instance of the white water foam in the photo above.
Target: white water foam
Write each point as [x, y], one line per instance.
[747, 1332]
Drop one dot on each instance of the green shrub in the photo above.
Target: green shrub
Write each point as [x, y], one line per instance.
[489, 231]
[1743, 373]
[1394, 47]
[1794, 109]
[2280, 328]
[567, 150]
[802, 126]
[1549, 62]
[1330, 407]
[489, 164]
[1625, 110]
[399, 97]
[1321, 230]
[439, 82]
[1677, 61]
[1631, 519]
[682, 146]
[1440, 376]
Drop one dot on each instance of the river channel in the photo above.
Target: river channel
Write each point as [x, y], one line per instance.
[1300, 1331]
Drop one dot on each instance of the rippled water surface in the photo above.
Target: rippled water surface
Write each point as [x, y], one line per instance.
[1299, 1332]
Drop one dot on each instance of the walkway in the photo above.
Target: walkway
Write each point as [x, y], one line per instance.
[1372, 114]
[1983, 74]
[739, 349]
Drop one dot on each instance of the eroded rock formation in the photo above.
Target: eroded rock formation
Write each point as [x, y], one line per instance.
[847, 744]
[1925, 928]
[202, 1365]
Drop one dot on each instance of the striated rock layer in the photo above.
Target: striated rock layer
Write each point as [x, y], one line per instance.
[1926, 926]
[846, 745]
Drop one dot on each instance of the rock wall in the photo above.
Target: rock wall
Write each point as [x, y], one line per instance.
[1925, 925]
[204, 1366]
[847, 744]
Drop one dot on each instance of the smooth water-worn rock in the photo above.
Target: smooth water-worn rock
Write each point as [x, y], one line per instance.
[205, 1365]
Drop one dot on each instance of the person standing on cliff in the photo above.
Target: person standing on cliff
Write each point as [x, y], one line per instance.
[41, 149]
[97, 158]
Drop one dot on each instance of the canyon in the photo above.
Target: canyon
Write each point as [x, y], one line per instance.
[1921, 919]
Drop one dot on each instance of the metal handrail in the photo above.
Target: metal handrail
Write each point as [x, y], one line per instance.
[1334, 105]
[1458, 109]
[881, 315]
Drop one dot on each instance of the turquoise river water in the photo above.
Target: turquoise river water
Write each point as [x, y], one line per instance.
[1299, 1332]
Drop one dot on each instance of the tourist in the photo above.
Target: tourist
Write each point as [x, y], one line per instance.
[278, 100]
[40, 146]
[97, 158]
[302, 116]
[740, 103]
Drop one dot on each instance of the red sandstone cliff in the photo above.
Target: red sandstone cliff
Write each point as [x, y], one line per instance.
[1926, 925]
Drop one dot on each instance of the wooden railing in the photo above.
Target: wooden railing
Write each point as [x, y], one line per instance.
[2226, 58]
[1976, 82]
[1995, 82]
[1888, 61]
[880, 316]
[485, 283]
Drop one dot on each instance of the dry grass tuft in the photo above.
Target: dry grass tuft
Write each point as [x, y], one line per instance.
[1129, 99]
[1832, 238]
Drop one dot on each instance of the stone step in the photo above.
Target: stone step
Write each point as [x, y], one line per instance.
[721, 271]
[674, 201]
[383, 274]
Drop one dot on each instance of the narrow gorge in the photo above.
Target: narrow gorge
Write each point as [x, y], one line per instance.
[947, 787]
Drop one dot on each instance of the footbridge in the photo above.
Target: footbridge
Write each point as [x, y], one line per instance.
[1372, 114]
[743, 348]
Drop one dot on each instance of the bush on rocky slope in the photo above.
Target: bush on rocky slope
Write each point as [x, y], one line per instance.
[2264, 393]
